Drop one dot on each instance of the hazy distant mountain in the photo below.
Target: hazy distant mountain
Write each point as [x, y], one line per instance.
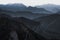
[38, 10]
[13, 7]
[50, 7]
[16, 4]
[21, 7]
[41, 9]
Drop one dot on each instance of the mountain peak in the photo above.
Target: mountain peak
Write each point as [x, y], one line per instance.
[16, 4]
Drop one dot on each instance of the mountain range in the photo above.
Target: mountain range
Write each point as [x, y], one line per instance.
[30, 12]
[42, 9]
[51, 7]
[21, 7]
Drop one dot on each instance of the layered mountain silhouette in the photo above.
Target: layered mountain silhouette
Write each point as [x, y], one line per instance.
[13, 7]
[40, 22]
[27, 14]
[38, 10]
[21, 7]
[42, 9]
[50, 7]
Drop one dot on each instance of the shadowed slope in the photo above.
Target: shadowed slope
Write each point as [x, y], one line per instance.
[9, 24]
[50, 26]
[31, 26]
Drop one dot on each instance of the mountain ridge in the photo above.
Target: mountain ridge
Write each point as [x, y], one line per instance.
[51, 7]
[22, 7]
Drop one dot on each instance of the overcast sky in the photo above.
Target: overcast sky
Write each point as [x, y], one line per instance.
[31, 2]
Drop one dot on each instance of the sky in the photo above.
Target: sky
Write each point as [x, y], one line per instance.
[31, 2]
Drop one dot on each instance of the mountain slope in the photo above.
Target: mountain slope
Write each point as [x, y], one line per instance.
[50, 27]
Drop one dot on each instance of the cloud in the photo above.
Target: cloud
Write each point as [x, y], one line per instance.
[31, 2]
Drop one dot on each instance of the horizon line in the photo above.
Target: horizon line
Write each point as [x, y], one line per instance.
[29, 5]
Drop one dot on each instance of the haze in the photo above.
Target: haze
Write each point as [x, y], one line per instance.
[31, 2]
